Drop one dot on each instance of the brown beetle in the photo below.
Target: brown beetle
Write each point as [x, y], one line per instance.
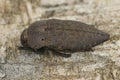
[61, 35]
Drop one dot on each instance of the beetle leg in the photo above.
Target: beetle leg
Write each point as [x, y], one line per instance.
[62, 54]
[25, 48]
[58, 52]
[30, 49]
[89, 49]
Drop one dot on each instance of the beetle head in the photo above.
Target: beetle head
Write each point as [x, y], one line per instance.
[24, 38]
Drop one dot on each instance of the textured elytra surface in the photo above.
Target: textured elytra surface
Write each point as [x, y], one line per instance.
[62, 35]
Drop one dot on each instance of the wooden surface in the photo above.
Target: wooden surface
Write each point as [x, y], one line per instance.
[103, 63]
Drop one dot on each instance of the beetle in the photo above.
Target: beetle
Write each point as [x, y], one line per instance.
[62, 35]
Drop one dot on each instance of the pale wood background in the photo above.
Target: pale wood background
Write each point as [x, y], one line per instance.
[101, 64]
